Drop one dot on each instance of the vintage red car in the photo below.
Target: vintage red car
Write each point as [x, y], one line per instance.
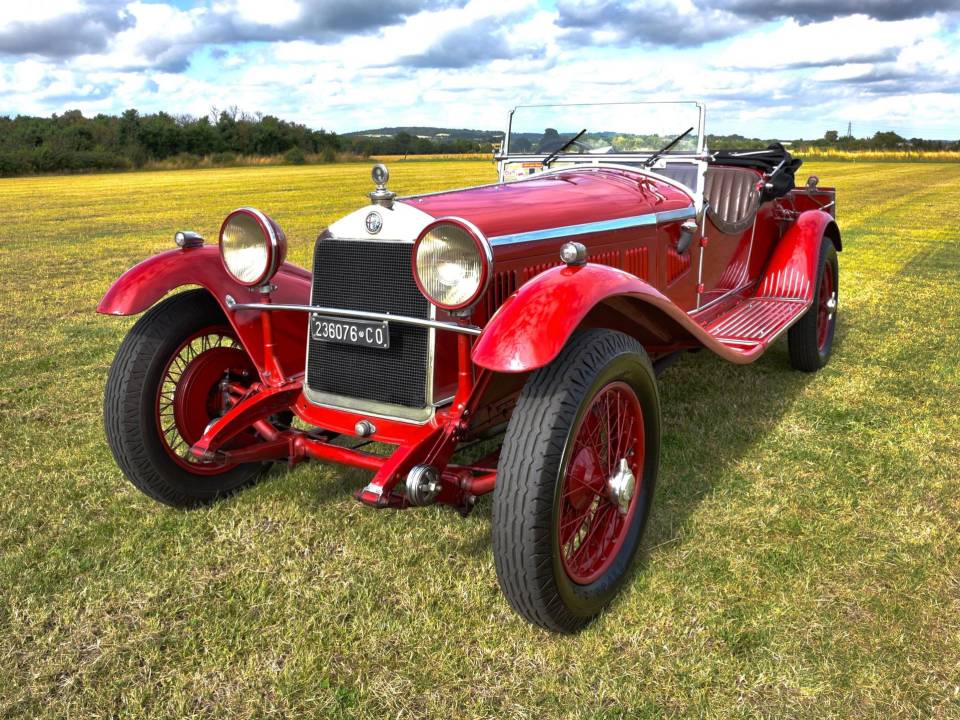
[537, 309]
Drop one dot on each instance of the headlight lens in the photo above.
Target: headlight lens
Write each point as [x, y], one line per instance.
[450, 265]
[252, 246]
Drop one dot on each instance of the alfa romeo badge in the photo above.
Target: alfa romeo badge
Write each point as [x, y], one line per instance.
[373, 222]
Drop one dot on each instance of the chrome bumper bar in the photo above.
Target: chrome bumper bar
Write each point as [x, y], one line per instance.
[356, 315]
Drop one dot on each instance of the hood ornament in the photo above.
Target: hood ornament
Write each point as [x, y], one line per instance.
[381, 196]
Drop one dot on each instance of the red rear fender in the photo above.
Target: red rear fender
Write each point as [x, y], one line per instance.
[143, 285]
[792, 269]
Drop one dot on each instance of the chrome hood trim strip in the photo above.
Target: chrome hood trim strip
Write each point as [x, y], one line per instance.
[599, 226]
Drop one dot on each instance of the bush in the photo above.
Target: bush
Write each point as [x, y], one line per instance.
[184, 160]
[14, 163]
[295, 156]
[223, 158]
[329, 155]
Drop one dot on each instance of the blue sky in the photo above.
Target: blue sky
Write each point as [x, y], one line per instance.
[772, 68]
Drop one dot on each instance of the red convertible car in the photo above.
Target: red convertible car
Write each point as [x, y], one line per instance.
[537, 309]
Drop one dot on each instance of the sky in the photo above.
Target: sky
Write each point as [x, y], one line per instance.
[768, 68]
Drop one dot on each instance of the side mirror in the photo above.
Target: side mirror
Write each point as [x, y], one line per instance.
[687, 231]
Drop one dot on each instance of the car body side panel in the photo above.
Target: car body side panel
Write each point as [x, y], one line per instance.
[145, 284]
[532, 326]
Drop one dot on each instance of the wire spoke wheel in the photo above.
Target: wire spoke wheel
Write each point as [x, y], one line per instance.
[204, 371]
[180, 367]
[826, 307]
[591, 522]
[810, 339]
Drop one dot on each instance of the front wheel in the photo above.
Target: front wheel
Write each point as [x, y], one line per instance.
[173, 374]
[576, 479]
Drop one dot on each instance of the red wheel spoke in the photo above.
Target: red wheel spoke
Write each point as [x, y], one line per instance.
[577, 520]
[583, 554]
[189, 397]
[583, 486]
[568, 531]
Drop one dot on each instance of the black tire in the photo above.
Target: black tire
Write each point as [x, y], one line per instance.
[807, 352]
[129, 408]
[527, 496]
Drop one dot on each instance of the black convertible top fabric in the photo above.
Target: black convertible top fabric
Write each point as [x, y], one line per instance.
[765, 161]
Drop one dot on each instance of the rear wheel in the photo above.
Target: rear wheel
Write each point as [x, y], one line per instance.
[575, 480]
[810, 340]
[175, 372]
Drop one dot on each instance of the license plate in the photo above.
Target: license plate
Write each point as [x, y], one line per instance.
[365, 333]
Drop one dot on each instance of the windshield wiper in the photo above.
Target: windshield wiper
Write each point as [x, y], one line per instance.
[553, 156]
[666, 148]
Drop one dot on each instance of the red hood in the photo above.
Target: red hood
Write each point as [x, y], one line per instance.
[571, 197]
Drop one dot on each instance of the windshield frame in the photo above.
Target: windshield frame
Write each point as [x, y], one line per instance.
[613, 157]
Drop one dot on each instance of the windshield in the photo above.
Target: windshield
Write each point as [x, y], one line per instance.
[611, 128]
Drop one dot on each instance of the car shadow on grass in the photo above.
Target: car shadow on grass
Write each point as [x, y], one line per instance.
[713, 414]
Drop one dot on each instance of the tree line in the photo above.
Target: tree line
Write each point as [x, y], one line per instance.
[880, 141]
[72, 142]
[833, 139]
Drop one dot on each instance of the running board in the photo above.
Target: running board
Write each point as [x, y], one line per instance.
[756, 322]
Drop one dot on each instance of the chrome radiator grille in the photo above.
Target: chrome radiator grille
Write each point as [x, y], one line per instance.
[374, 276]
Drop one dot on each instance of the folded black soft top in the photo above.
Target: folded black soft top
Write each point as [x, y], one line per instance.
[766, 161]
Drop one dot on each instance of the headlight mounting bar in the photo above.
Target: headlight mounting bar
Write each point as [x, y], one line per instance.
[232, 304]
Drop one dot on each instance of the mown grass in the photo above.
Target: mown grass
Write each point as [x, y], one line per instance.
[802, 558]
[824, 154]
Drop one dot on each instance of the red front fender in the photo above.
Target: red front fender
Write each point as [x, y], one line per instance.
[533, 325]
[144, 284]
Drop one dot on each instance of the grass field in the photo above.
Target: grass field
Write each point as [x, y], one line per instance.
[802, 558]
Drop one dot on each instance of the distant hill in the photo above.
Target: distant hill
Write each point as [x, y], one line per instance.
[487, 138]
[431, 133]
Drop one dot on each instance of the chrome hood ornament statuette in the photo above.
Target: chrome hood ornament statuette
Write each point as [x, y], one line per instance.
[381, 196]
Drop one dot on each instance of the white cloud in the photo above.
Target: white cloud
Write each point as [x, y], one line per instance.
[36, 11]
[161, 36]
[843, 40]
[275, 13]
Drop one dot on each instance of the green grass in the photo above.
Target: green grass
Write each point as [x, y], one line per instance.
[802, 558]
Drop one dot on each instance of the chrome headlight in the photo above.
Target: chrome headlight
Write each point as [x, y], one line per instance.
[451, 264]
[252, 246]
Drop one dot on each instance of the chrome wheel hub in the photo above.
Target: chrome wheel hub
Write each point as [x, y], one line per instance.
[621, 486]
[832, 305]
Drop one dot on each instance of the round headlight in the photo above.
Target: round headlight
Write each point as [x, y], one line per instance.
[252, 246]
[451, 264]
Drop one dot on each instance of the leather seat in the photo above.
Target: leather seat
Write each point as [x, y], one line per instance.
[684, 173]
[733, 197]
